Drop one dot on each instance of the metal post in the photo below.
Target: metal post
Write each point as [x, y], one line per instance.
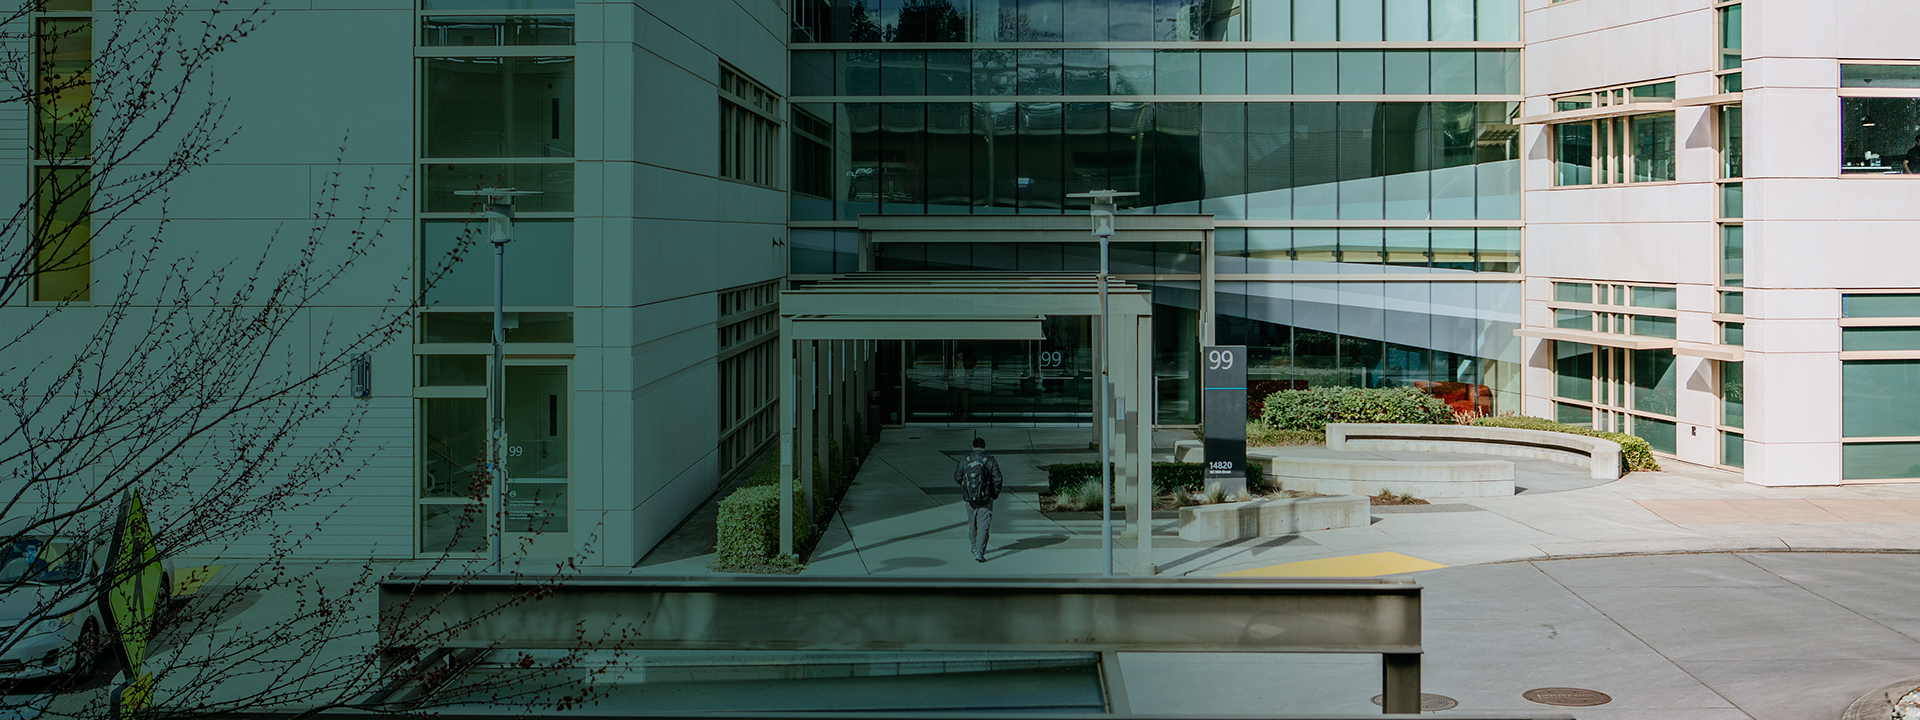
[496, 396]
[1104, 222]
[499, 215]
[1400, 683]
[1106, 420]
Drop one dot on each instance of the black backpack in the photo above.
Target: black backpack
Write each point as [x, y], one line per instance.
[974, 486]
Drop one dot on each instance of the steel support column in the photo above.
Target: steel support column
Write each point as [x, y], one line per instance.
[1400, 682]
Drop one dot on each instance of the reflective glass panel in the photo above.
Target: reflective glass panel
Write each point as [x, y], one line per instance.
[1879, 461]
[1879, 76]
[1573, 370]
[1653, 152]
[1887, 305]
[1654, 387]
[496, 30]
[541, 258]
[499, 107]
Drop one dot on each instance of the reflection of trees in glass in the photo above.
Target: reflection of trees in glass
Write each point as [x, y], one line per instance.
[863, 25]
[928, 21]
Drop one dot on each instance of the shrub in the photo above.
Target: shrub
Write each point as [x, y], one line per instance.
[1259, 435]
[1079, 497]
[1313, 409]
[1167, 477]
[1635, 453]
[749, 527]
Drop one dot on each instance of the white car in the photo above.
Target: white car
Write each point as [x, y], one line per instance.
[50, 609]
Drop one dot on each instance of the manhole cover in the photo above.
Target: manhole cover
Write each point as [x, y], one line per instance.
[1429, 702]
[1567, 697]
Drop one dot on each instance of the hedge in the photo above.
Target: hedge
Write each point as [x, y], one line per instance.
[1314, 408]
[1635, 453]
[1167, 476]
[749, 527]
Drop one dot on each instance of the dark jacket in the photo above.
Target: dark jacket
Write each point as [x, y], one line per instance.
[994, 478]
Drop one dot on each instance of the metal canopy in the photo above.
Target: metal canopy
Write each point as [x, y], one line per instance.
[949, 297]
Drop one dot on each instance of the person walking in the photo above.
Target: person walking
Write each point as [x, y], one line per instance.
[978, 476]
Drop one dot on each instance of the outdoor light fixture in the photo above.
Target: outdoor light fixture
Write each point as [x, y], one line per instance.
[1103, 228]
[499, 215]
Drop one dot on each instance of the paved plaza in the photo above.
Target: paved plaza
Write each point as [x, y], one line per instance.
[1685, 594]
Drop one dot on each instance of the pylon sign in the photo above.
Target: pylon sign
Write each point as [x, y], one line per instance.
[1223, 383]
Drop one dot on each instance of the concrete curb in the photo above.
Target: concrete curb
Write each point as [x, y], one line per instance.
[1878, 705]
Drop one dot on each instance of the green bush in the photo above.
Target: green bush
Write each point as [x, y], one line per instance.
[1167, 476]
[1259, 435]
[1635, 453]
[1314, 408]
[749, 527]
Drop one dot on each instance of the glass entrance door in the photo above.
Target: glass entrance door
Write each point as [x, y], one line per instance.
[1002, 381]
[453, 448]
[537, 461]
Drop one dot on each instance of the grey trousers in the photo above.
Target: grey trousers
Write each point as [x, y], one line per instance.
[979, 517]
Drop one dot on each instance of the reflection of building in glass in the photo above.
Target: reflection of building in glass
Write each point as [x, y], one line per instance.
[1361, 203]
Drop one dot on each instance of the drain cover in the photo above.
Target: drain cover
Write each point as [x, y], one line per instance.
[1429, 702]
[1567, 697]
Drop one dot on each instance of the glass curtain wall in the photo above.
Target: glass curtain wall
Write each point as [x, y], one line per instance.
[497, 100]
[1257, 161]
[1042, 21]
[1038, 108]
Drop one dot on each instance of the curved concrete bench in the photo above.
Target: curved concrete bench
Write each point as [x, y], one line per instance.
[1425, 479]
[1370, 476]
[1600, 456]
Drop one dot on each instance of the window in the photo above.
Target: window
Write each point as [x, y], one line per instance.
[749, 130]
[1879, 119]
[62, 146]
[1643, 310]
[1637, 145]
[749, 371]
[1727, 17]
[1879, 385]
[493, 107]
[813, 156]
[1616, 389]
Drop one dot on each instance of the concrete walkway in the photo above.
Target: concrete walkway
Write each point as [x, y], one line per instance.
[903, 515]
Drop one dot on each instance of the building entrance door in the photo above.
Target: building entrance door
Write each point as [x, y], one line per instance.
[453, 480]
[1013, 382]
[538, 452]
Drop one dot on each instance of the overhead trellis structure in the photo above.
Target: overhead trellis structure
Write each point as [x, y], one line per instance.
[832, 328]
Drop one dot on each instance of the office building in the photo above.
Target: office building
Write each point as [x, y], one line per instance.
[1677, 219]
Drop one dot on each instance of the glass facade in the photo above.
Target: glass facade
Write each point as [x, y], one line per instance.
[1080, 21]
[1261, 161]
[1382, 334]
[1130, 72]
[1392, 163]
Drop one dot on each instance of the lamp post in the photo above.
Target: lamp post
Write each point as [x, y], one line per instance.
[499, 215]
[1103, 223]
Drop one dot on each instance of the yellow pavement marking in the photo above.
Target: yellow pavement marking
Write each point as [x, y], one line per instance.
[192, 578]
[1368, 565]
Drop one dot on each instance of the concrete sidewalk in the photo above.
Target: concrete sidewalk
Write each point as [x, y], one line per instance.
[903, 515]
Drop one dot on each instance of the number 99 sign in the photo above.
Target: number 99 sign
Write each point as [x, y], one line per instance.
[1219, 359]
